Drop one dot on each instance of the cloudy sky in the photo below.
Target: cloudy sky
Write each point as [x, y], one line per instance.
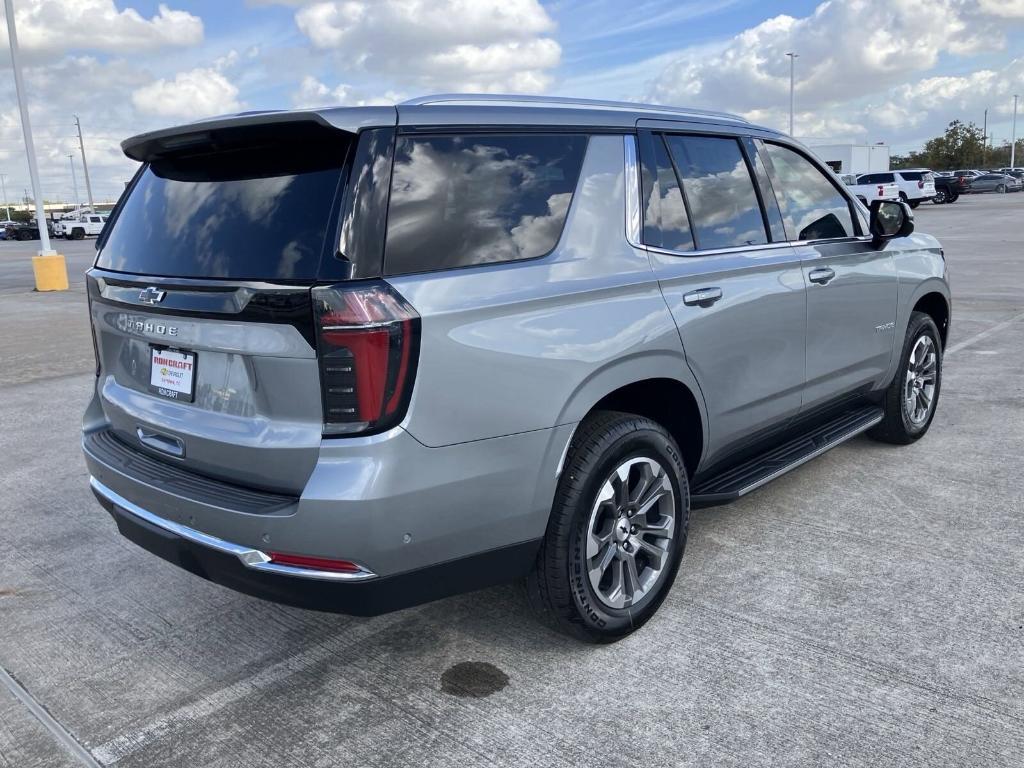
[870, 70]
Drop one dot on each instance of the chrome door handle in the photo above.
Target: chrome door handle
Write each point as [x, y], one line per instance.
[703, 297]
[821, 275]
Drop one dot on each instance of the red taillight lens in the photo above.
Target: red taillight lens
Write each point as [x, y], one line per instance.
[316, 563]
[920, 184]
[368, 345]
[881, 190]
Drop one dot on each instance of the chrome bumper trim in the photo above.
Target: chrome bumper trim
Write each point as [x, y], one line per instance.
[251, 558]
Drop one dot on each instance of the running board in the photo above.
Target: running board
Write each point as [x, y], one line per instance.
[753, 473]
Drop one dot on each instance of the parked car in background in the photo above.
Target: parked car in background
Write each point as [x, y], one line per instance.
[995, 182]
[868, 192]
[948, 188]
[915, 186]
[26, 230]
[969, 173]
[78, 227]
[1017, 173]
[527, 341]
[3, 227]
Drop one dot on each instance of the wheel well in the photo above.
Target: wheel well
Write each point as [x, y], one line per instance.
[934, 304]
[668, 402]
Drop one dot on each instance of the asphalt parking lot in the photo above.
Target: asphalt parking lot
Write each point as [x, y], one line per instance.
[866, 609]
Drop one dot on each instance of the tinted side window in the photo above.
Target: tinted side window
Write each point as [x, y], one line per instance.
[911, 175]
[666, 224]
[724, 209]
[462, 200]
[812, 207]
[771, 206]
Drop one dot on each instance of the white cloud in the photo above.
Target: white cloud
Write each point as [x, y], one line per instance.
[1006, 8]
[847, 50]
[485, 45]
[98, 25]
[196, 93]
[313, 93]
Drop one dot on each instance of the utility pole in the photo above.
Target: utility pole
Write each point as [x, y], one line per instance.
[984, 140]
[74, 181]
[1013, 135]
[3, 188]
[85, 165]
[48, 267]
[792, 86]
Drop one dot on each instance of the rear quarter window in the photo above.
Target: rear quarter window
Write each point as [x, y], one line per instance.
[467, 199]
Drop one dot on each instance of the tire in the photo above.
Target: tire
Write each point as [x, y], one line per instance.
[904, 198]
[953, 197]
[914, 203]
[940, 197]
[77, 233]
[899, 425]
[560, 588]
[1001, 188]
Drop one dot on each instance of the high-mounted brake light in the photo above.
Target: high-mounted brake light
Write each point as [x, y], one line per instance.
[368, 347]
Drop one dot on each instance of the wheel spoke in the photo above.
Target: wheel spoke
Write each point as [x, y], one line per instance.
[655, 552]
[632, 579]
[603, 560]
[663, 529]
[616, 594]
[658, 490]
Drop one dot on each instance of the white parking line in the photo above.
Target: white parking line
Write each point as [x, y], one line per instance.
[984, 334]
[58, 731]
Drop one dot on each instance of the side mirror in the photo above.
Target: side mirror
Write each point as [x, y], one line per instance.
[890, 219]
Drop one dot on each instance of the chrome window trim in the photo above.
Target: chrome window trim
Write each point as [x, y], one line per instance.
[634, 220]
[250, 558]
[761, 247]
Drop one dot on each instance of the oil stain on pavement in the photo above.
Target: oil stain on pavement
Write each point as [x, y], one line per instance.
[473, 679]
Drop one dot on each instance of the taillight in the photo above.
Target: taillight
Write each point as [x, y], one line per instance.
[920, 184]
[881, 190]
[368, 347]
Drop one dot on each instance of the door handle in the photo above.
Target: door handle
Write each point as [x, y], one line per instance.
[821, 275]
[703, 297]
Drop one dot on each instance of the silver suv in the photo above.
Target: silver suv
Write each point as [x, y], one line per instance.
[356, 359]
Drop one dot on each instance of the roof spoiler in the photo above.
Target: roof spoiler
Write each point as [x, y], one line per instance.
[204, 134]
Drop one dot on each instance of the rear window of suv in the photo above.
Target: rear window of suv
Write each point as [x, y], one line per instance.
[464, 200]
[256, 211]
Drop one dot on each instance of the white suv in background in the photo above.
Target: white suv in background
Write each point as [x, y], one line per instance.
[915, 185]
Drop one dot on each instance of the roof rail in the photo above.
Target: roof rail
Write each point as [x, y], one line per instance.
[474, 99]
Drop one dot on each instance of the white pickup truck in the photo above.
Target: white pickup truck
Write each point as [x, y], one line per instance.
[78, 227]
[868, 192]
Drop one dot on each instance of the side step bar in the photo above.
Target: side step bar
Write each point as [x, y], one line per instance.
[753, 473]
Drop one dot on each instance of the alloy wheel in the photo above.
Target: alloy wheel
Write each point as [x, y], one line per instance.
[630, 532]
[919, 384]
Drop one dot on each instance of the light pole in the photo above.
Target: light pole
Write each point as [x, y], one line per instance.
[74, 180]
[26, 127]
[85, 165]
[792, 86]
[1013, 135]
[3, 188]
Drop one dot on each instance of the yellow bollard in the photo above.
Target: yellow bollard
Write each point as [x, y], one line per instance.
[51, 272]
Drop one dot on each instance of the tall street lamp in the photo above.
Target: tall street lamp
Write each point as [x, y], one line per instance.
[1013, 135]
[792, 84]
[50, 270]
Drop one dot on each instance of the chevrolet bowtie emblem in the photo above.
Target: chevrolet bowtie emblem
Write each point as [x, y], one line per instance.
[151, 295]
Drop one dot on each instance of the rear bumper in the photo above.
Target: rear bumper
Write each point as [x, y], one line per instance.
[249, 571]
